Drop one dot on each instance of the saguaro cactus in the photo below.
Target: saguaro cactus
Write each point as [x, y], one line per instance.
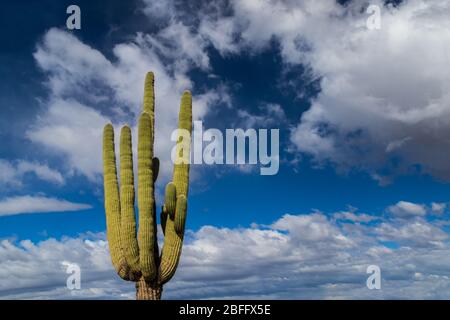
[135, 256]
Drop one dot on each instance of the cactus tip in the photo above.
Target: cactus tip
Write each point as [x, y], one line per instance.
[170, 185]
[126, 126]
[144, 115]
[108, 127]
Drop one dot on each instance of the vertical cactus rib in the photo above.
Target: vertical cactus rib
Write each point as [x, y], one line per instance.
[173, 240]
[149, 100]
[148, 291]
[146, 202]
[112, 202]
[127, 194]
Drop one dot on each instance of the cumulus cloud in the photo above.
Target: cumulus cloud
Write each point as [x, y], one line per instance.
[87, 90]
[418, 233]
[310, 256]
[37, 204]
[160, 10]
[76, 131]
[12, 173]
[314, 227]
[269, 115]
[383, 103]
[369, 110]
[32, 271]
[438, 207]
[354, 217]
[404, 209]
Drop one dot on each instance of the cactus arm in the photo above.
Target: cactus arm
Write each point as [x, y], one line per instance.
[170, 200]
[127, 215]
[146, 200]
[170, 254]
[173, 240]
[181, 170]
[112, 203]
[180, 215]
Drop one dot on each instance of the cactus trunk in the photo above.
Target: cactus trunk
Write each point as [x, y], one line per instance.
[134, 253]
[148, 290]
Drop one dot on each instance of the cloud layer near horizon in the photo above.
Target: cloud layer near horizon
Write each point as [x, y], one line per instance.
[312, 256]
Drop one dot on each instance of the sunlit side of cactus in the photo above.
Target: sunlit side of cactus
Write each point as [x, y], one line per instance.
[135, 255]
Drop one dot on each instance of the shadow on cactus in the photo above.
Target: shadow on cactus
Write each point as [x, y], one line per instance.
[135, 255]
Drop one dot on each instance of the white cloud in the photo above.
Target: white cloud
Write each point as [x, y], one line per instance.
[75, 130]
[270, 115]
[87, 91]
[370, 110]
[417, 233]
[438, 207]
[8, 174]
[404, 209]
[32, 271]
[185, 48]
[298, 256]
[352, 216]
[313, 227]
[12, 173]
[37, 204]
[221, 33]
[160, 10]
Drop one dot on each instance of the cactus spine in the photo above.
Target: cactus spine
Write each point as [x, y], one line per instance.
[135, 255]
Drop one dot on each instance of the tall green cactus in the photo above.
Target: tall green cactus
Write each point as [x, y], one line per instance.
[135, 256]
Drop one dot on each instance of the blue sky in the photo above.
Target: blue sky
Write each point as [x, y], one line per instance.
[363, 118]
